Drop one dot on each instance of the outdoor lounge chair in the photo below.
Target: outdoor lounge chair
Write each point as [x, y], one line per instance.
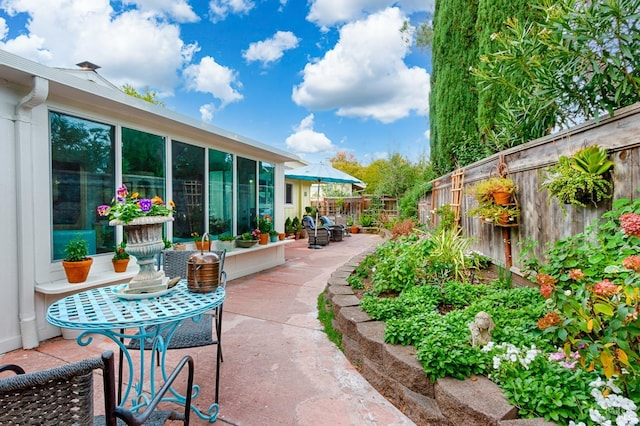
[64, 395]
[337, 231]
[319, 238]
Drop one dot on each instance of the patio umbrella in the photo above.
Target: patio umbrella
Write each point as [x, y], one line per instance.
[320, 173]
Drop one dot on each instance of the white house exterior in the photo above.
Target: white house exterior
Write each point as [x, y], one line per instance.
[41, 203]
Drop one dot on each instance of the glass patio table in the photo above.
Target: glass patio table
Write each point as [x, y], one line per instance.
[105, 311]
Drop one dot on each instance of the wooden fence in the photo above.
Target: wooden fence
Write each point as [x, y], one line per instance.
[540, 220]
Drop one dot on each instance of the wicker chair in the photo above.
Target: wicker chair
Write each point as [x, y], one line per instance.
[337, 231]
[175, 265]
[64, 396]
[321, 237]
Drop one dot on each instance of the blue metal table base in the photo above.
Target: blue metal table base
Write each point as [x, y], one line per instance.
[158, 348]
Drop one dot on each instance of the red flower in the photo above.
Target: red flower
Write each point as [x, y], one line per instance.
[576, 274]
[632, 262]
[545, 291]
[605, 288]
[630, 223]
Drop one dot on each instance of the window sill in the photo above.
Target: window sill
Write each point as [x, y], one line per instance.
[97, 279]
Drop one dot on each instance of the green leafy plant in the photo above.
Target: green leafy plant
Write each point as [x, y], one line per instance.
[263, 223]
[273, 233]
[496, 213]
[289, 227]
[592, 281]
[120, 252]
[580, 179]
[76, 249]
[128, 206]
[226, 237]
[484, 190]
[366, 220]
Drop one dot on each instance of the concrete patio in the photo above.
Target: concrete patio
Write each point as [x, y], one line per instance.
[279, 367]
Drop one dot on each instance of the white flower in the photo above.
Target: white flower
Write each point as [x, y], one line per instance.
[597, 417]
[628, 418]
[572, 423]
[567, 292]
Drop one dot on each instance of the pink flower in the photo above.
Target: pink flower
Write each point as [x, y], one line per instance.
[605, 288]
[630, 223]
[632, 262]
[545, 291]
[545, 279]
[576, 274]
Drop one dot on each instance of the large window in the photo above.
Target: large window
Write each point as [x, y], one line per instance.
[265, 194]
[246, 184]
[188, 191]
[143, 163]
[220, 193]
[82, 178]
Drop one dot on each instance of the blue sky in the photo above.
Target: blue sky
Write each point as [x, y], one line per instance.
[312, 77]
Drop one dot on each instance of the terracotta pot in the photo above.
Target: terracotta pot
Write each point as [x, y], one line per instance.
[264, 239]
[354, 229]
[77, 272]
[281, 237]
[206, 245]
[120, 265]
[501, 197]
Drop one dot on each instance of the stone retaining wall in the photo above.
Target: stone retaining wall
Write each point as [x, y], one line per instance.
[396, 373]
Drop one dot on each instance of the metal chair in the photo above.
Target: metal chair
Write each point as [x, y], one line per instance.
[175, 265]
[64, 395]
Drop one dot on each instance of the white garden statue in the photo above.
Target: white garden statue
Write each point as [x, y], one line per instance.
[481, 329]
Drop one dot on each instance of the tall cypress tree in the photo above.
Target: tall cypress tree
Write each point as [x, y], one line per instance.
[454, 100]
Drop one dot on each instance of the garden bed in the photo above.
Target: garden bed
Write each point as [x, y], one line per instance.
[396, 373]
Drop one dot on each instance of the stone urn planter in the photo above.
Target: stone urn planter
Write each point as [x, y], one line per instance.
[144, 241]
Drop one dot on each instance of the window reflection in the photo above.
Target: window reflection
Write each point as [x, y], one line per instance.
[82, 164]
[188, 190]
[220, 193]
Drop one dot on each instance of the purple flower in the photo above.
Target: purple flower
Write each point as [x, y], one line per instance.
[104, 210]
[145, 204]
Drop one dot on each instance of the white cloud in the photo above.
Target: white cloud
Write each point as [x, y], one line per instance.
[306, 140]
[210, 77]
[271, 49]
[326, 13]
[364, 75]
[206, 112]
[219, 9]
[180, 10]
[133, 47]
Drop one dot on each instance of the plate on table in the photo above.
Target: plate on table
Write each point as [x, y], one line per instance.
[120, 292]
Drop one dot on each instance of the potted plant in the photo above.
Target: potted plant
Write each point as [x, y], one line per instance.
[263, 223]
[297, 226]
[497, 214]
[120, 258]
[289, 228]
[201, 242]
[273, 235]
[353, 228]
[496, 189]
[76, 264]
[580, 179]
[248, 239]
[226, 242]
